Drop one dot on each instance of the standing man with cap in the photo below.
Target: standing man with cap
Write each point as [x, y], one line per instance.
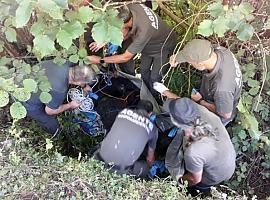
[150, 36]
[208, 152]
[222, 78]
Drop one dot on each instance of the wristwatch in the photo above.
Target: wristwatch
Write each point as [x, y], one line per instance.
[102, 61]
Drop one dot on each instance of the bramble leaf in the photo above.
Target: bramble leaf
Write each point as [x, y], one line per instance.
[23, 12]
[206, 28]
[45, 97]
[17, 110]
[4, 98]
[64, 39]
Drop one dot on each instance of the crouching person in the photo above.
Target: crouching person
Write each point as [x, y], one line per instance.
[209, 155]
[131, 132]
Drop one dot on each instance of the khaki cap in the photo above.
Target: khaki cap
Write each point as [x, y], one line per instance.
[196, 50]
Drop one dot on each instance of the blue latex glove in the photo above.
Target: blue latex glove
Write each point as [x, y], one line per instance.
[112, 48]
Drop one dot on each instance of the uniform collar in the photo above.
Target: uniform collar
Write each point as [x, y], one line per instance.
[216, 67]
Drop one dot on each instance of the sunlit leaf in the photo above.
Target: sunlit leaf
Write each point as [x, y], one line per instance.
[45, 97]
[206, 28]
[74, 58]
[245, 32]
[4, 98]
[17, 110]
[50, 7]
[216, 9]
[85, 14]
[22, 94]
[44, 45]
[23, 12]
[30, 85]
[220, 26]
[64, 39]
[100, 32]
[11, 34]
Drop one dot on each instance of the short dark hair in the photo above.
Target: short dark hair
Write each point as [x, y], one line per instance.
[145, 105]
[124, 14]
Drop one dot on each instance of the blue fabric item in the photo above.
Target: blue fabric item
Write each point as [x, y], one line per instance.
[112, 48]
[88, 126]
[173, 132]
[153, 118]
[93, 95]
[157, 165]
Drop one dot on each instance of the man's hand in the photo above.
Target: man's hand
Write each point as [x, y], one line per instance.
[159, 87]
[173, 62]
[74, 104]
[196, 96]
[150, 158]
[94, 59]
[96, 47]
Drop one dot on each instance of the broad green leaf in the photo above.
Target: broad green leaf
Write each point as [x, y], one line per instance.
[253, 83]
[74, 58]
[45, 86]
[216, 9]
[30, 85]
[241, 108]
[5, 60]
[11, 34]
[38, 27]
[23, 12]
[35, 68]
[116, 36]
[112, 12]
[50, 7]
[245, 8]
[8, 84]
[17, 110]
[242, 134]
[100, 32]
[45, 97]
[72, 50]
[206, 28]
[59, 61]
[82, 53]
[21, 94]
[234, 19]
[85, 14]
[245, 32]
[4, 98]
[4, 70]
[44, 45]
[75, 29]
[26, 69]
[220, 26]
[254, 91]
[64, 39]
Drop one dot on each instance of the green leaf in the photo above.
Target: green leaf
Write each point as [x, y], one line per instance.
[206, 28]
[59, 61]
[50, 7]
[45, 85]
[64, 39]
[23, 12]
[245, 32]
[38, 27]
[75, 29]
[4, 98]
[11, 34]
[4, 70]
[45, 97]
[220, 26]
[26, 69]
[74, 58]
[216, 9]
[85, 14]
[116, 36]
[99, 32]
[241, 108]
[30, 85]
[245, 8]
[22, 94]
[44, 45]
[82, 53]
[242, 134]
[253, 83]
[254, 91]
[49, 144]
[8, 84]
[17, 110]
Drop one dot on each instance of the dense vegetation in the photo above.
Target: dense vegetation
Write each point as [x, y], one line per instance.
[31, 165]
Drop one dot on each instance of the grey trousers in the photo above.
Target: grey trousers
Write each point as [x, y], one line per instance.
[139, 169]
